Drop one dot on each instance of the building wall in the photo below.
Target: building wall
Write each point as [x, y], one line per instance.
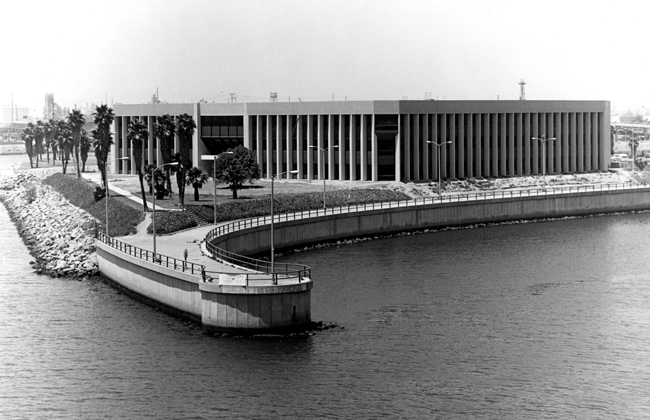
[400, 140]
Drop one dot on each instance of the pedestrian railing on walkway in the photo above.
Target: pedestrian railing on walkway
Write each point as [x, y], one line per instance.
[143, 254]
[264, 266]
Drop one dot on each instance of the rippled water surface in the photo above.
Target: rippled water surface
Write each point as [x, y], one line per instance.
[538, 321]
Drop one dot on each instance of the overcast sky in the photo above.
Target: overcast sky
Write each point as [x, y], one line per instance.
[88, 51]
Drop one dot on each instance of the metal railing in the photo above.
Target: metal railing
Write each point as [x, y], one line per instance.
[143, 254]
[451, 198]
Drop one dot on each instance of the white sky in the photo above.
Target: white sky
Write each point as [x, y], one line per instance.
[123, 50]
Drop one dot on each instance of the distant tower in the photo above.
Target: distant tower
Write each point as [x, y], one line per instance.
[522, 90]
[48, 110]
[274, 96]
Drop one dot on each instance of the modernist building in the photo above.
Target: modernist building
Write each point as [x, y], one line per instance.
[390, 140]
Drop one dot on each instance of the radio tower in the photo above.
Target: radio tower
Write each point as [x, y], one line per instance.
[522, 90]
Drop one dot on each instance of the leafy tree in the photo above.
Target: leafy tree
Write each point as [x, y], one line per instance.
[28, 138]
[185, 127]
[138, 135]
[164, 129]
[84, 148]
[196, 178]
[159, 181]
[237, 168]
[76, 121]
[103, 117]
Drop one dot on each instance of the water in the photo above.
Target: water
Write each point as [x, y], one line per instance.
[535, 321]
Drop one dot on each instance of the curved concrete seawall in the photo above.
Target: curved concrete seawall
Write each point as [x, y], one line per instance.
[385, 221]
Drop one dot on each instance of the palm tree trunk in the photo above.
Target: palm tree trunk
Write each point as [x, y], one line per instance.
[196, 194]
[144, 197]
[76, 161]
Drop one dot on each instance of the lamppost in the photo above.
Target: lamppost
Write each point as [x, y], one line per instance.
[439, 174]
[153, 215]
[272, 201]
[106, 200]
[544, 140]
[214, 177]
[323, 150]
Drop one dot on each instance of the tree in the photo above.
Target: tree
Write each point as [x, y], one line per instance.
[196, 178]
[237, 168]
[103, 117]
[48, 130]
[185, 127]
[38, 135]
[159, 182]
[84, 147]
[138, 135]
[164, 129]
[633, 142]
[28, 138]
[64, 140]
[76, 121]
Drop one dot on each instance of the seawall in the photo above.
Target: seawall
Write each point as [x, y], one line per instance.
[387, 221]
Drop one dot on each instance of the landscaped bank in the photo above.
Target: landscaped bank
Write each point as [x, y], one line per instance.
[58, 234]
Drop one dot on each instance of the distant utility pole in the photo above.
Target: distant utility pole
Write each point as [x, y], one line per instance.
[522, 90]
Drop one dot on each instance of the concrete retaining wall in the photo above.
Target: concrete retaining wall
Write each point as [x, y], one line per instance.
[388, 221]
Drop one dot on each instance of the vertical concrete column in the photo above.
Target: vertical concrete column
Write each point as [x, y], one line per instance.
[487, 164]
[279, 144]
[248, 135]
[559, 146]
[503, 145]
[605, 138]
[460, 135]
[290, 150]
[469, 135]
[309, 149]
[511, 144]
[444, 171]
[494, 145]
[144, 145]
[435, 137]
[259, 145]
[364, 147]
[321, 155]
[527, 142]
[425, 146]
[113, 149]
[353, 147]
[417, 141]
[565, 142]
[399, 137]
[572, 142]
[595, 149]
[198, 148]
[478, 143]
[535, 144]
[127, 151]
[519, 144]
[300, 147]
[580, 141]
[375, 168]
[269, 146]
[587, 141]
[150, 141]
[550, 152]
[452, 147]
[405, 171]
[342, 148]
[331, 142]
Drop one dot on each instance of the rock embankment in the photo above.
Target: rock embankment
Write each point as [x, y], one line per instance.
[58, 234]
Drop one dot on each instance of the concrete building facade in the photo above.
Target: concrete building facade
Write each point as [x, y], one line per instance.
[389, 140]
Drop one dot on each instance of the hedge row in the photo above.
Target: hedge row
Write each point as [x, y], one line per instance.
[123, 218]
[290, 203]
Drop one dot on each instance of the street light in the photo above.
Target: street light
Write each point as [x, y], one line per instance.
[153, 215]
[106, 182]
[323, 150]
[214, 178]
[439, 175]
[544, 140]
[272, 201]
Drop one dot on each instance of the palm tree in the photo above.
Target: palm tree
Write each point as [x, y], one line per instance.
[164, 129]
[38, 135]
[84, 147]
[64, 140]
[104, 117]
[138, 135]
[185, 127]
[48, 130]
[196, 178]
[76, 120]
[54, 124]
[28, 138]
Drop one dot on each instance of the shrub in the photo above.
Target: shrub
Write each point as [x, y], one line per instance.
[173, 221]
[124, 219]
